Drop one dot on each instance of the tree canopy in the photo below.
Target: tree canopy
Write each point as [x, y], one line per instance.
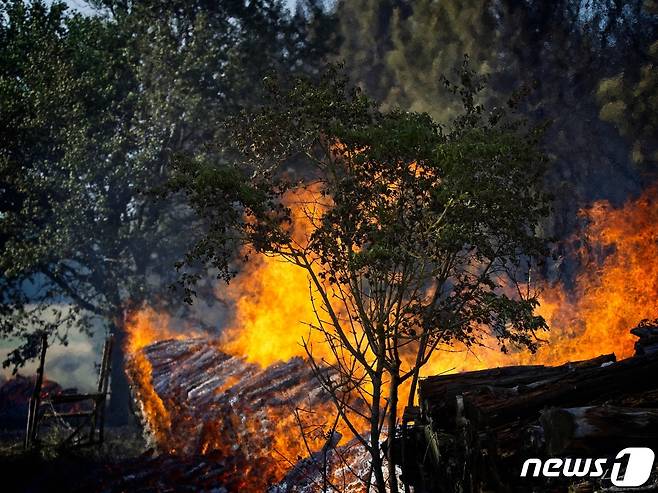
[93, 109]
[589, 64]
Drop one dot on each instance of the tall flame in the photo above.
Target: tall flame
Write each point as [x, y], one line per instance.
[616, 287]
[271, 299]
[272, 296]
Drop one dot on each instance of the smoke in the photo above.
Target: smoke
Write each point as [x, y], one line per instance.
[73, 365]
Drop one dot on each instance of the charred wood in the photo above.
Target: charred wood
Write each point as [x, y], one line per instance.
[199, 401]
[476, 429]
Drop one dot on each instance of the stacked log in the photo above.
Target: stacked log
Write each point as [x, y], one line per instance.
[476, 429]
[472, 432]
[243, 419]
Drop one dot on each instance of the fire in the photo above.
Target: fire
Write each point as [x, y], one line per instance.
[144, 327]
[272, 296]
[616, 287]
[271, 308]
[615, 291]
[263, 444]
[271, 440]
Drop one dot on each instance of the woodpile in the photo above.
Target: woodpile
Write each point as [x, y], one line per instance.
[229, 423]
[474, 430]
[242, 420]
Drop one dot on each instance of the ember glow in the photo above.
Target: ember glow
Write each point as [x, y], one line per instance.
[617, 286]
[246, 419]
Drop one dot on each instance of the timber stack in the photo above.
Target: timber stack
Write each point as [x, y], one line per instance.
[242, 422]
[473, 431]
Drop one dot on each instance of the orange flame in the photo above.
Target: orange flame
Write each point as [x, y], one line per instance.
[144, 327]
[272, 303]
[272, 296]
[615, 289]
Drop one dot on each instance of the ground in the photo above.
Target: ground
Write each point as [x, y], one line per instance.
[80, 469]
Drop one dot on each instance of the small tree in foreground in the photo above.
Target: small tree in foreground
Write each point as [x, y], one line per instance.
[423, 234]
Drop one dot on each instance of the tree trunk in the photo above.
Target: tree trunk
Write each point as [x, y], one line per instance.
[491, 421]
[412, 388]
[420, 354]
[378, 466]
[119, 411]
[573, 389]
[390, 439]
[377, 463]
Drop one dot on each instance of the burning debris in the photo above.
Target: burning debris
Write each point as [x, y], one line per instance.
[333, 468]
[247, 419]
[474, 430]
[240, 426]
[235, 399]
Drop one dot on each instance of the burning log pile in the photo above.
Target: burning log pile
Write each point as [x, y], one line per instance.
[196, 400]
[245, 419]
[220, 421]
[474, 430]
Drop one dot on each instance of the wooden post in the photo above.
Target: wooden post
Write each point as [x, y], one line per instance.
[35, 400]
[103, 385]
